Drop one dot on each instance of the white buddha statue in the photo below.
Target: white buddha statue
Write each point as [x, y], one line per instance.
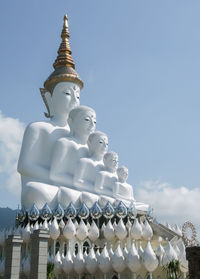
[60, 94]
[106, 178]
[67, 151]
[62, 160]
[123, 190]
[88, 167]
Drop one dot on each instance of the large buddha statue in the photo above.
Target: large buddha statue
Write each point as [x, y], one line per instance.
[64, 160]
[60, 94]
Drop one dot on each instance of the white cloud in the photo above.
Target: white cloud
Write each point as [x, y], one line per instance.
[11, 133]
[172, 204]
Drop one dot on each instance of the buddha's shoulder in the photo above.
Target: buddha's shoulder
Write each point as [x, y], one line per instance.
[87, 160]
[104, 172]
[40, 125]
[66, 141]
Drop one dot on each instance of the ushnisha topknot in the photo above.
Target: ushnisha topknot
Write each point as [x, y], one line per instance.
[64, 65]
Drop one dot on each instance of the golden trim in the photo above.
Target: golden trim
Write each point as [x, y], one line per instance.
[64, 77]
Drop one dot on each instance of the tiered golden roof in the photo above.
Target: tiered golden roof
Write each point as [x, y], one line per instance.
[64, 65]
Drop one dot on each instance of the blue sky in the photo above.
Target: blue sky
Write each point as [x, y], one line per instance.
[140, 62]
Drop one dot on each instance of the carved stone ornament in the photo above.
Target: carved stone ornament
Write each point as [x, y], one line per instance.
[189, 233]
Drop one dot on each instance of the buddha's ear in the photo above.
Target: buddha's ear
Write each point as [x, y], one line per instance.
[46, 96]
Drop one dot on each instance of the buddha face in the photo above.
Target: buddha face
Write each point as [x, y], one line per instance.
[122, 174]
[82, 120]
[98, 144]
[111, 161]
[65, 97]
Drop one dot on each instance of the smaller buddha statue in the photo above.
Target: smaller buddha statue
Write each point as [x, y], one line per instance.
[67, 152]
[105, 180]
[123, 190]
[87, 168]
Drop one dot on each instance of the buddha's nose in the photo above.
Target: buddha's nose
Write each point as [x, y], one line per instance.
[74, 98]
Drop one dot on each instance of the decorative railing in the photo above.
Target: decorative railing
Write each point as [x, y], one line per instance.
[97, 242]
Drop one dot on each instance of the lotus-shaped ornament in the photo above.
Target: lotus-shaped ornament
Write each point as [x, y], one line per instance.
[83, 211]
[21, 214]
[67, 263]
[70, 211]
[46, 212]
[109, 232]
[96, 211]
[120, 230]
[82, 231]
[104, 261]
[136, 230]
[58, 212]
[169, 255]
[91, 262]
[33, 213]
[108, 211]
[121, 210]
[54, 230]
[118, 260]
[133, 259]
[69, 230]
[93, 232]
[132, 211]
[79, 263]
[149, 258]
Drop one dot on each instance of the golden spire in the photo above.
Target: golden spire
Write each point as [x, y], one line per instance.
[64, 57]
[64, 65]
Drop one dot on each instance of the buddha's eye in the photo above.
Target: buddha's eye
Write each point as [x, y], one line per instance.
[77, 97]
[95, 122]
[67, 93]
[87, 119]
[100, 141]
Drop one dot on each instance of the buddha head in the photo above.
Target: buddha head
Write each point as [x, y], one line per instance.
[110, 160]
[98, 144]
[62, 99]
[122, 174]
[82, 122]
[62, 88]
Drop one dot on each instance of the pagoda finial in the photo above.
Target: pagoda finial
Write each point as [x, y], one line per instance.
[64, 57]
[64, 65]
[66, 21]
